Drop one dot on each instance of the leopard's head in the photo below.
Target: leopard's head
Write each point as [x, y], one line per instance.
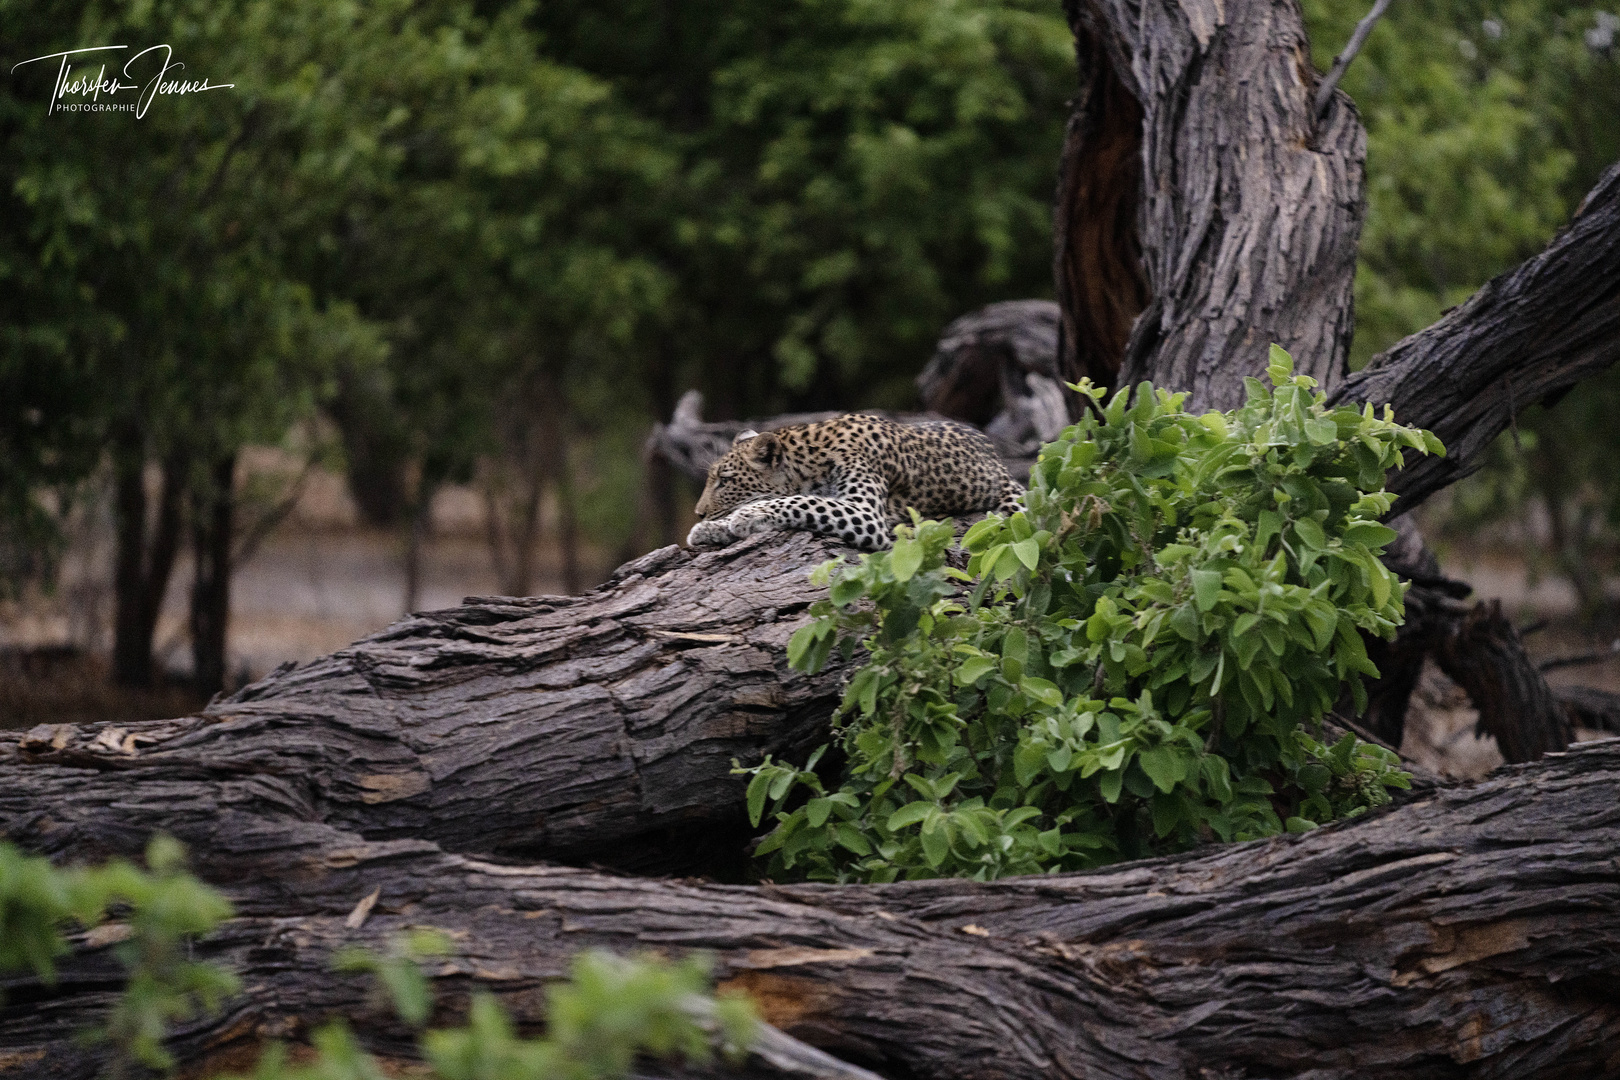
[750, 470]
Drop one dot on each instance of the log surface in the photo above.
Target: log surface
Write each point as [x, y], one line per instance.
[598, 727]
[1475, 932]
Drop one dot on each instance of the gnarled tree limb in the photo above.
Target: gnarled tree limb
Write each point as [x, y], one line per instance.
[1529, 334]
[1474, 932]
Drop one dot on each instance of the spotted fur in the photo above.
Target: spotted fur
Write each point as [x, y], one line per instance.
[852, 477]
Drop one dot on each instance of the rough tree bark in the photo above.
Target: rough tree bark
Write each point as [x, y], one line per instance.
[1247, 209]
[599, 727]
[1475, 932]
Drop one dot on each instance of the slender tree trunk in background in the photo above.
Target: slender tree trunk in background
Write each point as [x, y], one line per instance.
[417, 525]
[512, 522]
[533, 453]
[132, 638]
[212, 520]
[555, 442]
[143, 561]
[375, 450]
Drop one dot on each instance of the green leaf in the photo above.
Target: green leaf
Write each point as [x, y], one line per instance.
[850, 838]
[1164, 767]
[816, 812]
[1185, 622]
[1110, 785]
[1280, 365]
[1217, 777]
[1314, 776]
[758, 788]
[1270, 523]
[800, 643]
[1323, 621]
[1321, 431]
[910, 814]
[973, 669]
[1379, 582]
[1310, 534]
[1015, 644]
[978, 531]
[1028, 552]
[1206, 588]
[1371, 533]
[936, 845]
[846, 590]
[1041, 690]
[905, 559]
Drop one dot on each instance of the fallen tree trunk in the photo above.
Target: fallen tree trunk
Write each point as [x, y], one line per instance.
[1474, 932]
[594, 728]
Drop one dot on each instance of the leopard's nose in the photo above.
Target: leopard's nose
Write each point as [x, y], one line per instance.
[705, 506]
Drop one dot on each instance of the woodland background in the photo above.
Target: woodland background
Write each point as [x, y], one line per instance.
[389, 321]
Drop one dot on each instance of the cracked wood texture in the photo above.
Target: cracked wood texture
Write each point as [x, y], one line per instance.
[1203, 213]
[598, 727]
[1195, 124]
[1527, 336]
[1474, 932]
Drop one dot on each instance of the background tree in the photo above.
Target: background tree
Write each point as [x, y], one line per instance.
[1487, 123]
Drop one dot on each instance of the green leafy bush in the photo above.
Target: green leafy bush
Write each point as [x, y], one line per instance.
[611, 1010]
[1140, 664]
[158, 911]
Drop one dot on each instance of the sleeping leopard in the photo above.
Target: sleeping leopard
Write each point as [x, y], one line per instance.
[852, 477]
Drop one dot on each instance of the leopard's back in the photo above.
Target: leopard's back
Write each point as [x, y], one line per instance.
[853, 476]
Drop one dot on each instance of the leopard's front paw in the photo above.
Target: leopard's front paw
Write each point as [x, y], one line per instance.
[709, 534]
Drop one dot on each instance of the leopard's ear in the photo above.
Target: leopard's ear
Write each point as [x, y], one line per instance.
[744, 435]
[765, 450]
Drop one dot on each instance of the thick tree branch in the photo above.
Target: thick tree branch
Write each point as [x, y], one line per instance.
[1528, 334]
[598, 727]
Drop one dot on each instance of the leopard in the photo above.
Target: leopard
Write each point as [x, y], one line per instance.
[853, 477]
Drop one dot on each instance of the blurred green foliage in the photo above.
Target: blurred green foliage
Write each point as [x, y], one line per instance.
[1487, 121]
[854, 174]
[610, 1010]
[466, 230]
[159, 912]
